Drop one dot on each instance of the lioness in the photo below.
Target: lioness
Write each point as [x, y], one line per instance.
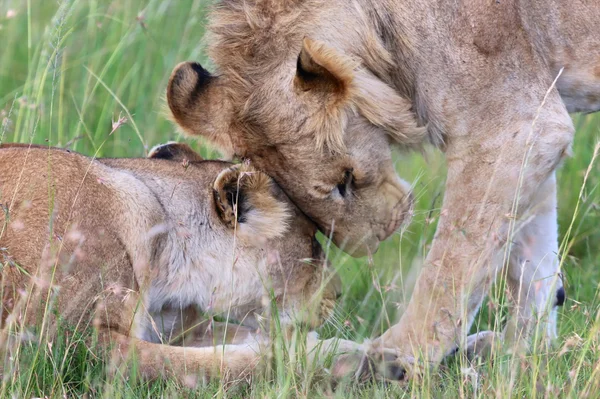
[138, 246]
[316, 92]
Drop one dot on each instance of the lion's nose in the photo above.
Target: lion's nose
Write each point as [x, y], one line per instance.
[338, 295]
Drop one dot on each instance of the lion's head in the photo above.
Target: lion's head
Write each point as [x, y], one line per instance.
[312, 117]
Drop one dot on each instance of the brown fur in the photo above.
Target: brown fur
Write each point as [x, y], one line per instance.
[479, 74]
[175, 152]
[135, 246]
[385, 201]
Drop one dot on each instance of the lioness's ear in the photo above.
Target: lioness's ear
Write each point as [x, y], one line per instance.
[320, 68]
[174, 151]
[199, 105]
[246, 200]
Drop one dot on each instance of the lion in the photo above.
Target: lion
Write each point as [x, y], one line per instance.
[143, 248]
[316, 94]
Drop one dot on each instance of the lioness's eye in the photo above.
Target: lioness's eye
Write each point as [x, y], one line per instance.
[344, 186]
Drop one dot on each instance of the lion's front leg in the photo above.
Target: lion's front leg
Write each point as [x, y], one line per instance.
[491, 177]
[535, 289]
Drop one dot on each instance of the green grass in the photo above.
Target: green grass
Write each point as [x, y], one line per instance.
[69, 69]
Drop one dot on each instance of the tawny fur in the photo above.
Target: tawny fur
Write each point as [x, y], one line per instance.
[478, 74]
[136, 247]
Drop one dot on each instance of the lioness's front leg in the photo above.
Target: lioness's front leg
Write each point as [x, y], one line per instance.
[490, 177]
[348, 358]
[230, 363]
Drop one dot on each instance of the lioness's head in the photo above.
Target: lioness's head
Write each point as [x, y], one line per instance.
[276, 251]
[316, 120]
[293, 264]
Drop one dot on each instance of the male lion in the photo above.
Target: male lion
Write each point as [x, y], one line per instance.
[316, 92]
[138, 245]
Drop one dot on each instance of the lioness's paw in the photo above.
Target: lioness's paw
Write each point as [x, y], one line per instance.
[480, 345]
[370, 366]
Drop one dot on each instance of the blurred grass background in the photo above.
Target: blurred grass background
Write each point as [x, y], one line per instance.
[70, 69]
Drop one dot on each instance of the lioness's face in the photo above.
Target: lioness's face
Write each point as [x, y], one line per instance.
[320, 125]
[277, 247]
[275, 243]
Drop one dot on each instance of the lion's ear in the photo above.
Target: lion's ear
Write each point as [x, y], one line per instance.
[199, 105]
[174, 151]
[338, 78]
[321, 69]
[384, 107]
[325, 78]
[249, 202]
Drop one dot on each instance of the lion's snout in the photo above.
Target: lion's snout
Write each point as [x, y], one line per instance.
[401, 215]
[400, 204]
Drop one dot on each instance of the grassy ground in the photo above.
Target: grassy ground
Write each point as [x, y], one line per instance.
[70, 69]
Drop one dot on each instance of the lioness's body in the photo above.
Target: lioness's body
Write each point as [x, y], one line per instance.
[315, 92]
[136, 246]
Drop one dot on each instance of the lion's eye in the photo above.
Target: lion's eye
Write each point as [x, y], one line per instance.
[344, 185]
